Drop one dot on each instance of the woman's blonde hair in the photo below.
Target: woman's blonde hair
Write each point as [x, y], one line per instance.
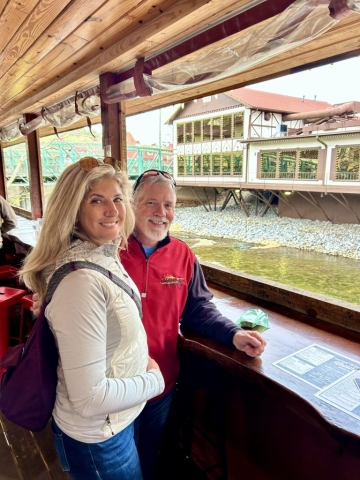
[59, 222]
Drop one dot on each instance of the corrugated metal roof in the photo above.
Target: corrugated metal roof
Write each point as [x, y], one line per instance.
[275, 102]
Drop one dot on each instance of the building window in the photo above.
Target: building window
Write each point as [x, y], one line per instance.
[290, 164]
[308, 164]
[216, 128]
[226, 163]
[268, 164]
[216, 164]
[197, 164]
[206, 161]
[198, 131]
[227, 126]
[188, 132]
[348, 163]
[207, 123]
[180, 133]
[181, 165]
[237, 163]
[189, 165]
[238, 125]
[287, 164]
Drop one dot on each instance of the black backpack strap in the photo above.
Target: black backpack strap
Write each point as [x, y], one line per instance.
[67, 268]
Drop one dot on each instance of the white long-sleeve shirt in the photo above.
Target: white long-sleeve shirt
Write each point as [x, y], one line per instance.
[102, 380]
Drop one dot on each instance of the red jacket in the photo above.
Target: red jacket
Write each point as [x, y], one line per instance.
[173, 288]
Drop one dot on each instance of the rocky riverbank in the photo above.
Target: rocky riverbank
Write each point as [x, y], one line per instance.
[324, 237]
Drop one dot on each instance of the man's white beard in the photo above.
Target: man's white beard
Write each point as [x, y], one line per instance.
[157, 234]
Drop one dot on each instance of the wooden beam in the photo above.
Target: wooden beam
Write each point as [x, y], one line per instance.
[202, 203]
[35, 172]
[110, 119]
[3, 186]
[123, 143]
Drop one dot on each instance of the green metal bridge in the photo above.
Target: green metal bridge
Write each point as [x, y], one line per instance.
[59, 154]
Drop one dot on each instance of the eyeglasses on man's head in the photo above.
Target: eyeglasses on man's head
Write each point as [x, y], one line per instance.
[153, 173]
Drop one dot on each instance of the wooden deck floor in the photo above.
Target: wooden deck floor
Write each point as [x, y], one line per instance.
[31, 456]
[28, 456]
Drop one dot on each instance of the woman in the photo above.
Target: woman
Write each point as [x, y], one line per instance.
[104, 374]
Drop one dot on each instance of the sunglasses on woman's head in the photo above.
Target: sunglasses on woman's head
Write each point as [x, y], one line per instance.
[89, 163]
[153, 173]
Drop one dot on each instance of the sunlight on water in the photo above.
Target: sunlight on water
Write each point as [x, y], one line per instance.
[336, 277]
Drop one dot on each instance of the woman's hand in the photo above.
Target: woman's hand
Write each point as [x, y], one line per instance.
[152, 364]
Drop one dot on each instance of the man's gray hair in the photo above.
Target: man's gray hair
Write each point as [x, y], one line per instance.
[151, 180]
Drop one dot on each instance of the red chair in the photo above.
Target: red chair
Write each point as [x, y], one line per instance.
[9, 273]
[14, 259]
[8, 298]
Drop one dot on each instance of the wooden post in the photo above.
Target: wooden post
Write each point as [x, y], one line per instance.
[35, 172]
[3, 186]
[113, 123]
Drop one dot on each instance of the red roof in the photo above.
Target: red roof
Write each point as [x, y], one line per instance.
[275, 102]
[130, 140]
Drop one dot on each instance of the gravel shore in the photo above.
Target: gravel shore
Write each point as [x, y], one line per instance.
[317, 236]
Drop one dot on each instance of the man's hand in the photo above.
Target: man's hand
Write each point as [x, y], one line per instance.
[252, 343]
[36, 305]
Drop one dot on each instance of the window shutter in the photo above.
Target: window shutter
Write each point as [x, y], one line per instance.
[258, 171]
[333, 164]
[321, 164]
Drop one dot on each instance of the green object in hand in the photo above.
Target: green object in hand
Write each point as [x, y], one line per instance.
[254, 318]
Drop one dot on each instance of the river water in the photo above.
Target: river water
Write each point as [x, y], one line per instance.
[337, 277]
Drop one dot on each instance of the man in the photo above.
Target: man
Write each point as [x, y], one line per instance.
[173, 290]
[8, 221]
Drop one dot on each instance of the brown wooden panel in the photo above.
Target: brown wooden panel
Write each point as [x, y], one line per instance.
[62, 51]
[109, 15]
[321, 164]
[333, 164]
[35, 172]
[29, 461]
[63, 26]
[35, 63]
[123, 145]
[11, 19]
[258, 167]
[3, 186]
[110, 119]
[288, 333]
[7, 461]
[2, 5]
[180, 29]
[40, 18]
[45, 444]
[314, 305]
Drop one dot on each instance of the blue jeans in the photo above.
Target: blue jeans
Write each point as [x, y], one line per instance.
[149, 427]
[113, 459]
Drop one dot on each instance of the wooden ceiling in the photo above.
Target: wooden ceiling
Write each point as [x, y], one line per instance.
[52, 48]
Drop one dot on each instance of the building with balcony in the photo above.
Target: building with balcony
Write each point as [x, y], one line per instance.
[304, 152]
